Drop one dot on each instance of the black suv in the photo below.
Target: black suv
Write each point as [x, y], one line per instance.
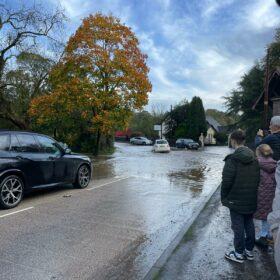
[30, 161]
[187, 143]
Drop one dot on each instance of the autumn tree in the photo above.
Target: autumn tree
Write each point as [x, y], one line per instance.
[99, 81]
[21, 29]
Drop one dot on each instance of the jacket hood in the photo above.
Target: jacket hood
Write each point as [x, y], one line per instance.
[267, 164]
[243, 154]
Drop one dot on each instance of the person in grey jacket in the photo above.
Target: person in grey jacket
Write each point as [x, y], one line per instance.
[274, 219]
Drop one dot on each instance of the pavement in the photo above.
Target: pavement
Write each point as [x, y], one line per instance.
[118, 227]
[200, 255]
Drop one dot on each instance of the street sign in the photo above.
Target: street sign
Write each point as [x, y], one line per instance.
[157, 127]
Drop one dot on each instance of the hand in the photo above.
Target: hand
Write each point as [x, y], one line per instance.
[260, 133]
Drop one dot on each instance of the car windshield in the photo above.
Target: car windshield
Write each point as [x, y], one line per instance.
[161, 142]
[189, 141]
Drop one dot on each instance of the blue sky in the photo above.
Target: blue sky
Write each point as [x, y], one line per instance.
[194, 47]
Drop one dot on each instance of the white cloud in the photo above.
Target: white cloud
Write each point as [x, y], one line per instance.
[262, 15]
[211, 7]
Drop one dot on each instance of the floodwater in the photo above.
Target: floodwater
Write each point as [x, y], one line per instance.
[183, 170]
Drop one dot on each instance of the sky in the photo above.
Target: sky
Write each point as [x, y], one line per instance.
[194, 47]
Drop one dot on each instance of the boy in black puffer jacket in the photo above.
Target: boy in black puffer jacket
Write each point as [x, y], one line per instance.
[241, 175]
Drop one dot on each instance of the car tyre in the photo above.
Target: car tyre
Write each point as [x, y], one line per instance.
[11, 191]
[83, 177]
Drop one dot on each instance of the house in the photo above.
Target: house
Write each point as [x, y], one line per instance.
[213, 128]
[273, 93]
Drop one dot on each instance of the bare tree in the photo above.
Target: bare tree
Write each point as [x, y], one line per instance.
[22, 29]
[158, 111]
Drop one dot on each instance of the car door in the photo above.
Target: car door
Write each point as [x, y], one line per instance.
[38, 166]
[138, 140]
[55, 153]
[4, 145]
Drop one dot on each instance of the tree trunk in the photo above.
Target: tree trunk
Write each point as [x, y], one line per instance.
[97, 144]
[55, 133]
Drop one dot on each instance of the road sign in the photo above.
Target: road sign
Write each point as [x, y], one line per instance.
[157, 127]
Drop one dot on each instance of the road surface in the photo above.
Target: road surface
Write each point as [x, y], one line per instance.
[117, 227]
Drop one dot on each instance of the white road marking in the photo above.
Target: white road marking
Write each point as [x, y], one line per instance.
[108, 183]
[15, 212]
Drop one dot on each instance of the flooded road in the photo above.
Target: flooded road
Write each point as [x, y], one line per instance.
[189, 172]
[119, 226]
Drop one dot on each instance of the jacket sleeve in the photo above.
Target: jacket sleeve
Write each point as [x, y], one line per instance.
[266, 140]
[258, 140]
[228, 177]
[274, 216]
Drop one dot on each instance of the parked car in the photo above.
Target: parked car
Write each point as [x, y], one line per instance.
[186, 143]
[30, 161]
[161, 146]
[140, 141]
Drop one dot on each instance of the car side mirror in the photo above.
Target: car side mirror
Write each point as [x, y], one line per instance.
[68, 151]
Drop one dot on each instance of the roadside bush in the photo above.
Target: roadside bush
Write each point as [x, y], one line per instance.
[221, 138]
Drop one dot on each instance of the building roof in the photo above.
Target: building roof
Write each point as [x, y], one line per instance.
[274, 88]
[211, 121]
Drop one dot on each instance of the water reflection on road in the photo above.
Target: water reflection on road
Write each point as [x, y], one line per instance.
[184, 170]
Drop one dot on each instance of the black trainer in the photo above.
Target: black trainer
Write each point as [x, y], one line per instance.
[235, 257]
[249, 255]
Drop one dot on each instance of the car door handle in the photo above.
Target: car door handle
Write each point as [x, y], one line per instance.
[23, 158]
[19, 157]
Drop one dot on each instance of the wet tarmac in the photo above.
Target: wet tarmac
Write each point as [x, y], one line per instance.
[201, 253]
[117, 227]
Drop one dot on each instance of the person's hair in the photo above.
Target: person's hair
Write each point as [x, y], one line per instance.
[264, 150]
[275, 121]
[238, 136]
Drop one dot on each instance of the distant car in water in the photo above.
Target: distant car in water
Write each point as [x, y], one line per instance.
[140, 141]
[186, 143]
[161, 146]
[31, 161]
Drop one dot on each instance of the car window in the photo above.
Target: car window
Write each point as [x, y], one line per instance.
[15, 146]
[162, 142]
[48, 145]
[28, 143]
[4, 142]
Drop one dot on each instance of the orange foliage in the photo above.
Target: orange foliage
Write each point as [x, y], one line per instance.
[101, 78]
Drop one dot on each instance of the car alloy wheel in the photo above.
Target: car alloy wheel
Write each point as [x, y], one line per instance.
[83, 176]
[11, 191]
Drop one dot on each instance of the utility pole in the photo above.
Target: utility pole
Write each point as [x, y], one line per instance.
[266, 88]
